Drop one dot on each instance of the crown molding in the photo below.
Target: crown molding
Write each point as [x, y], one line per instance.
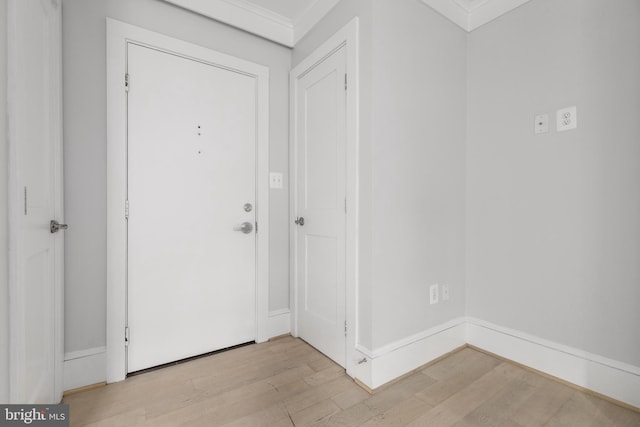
[258, 20]
[470, 14]
[310, 17]
[470, 5]
[244, 15]
[490, 10]
[452, 10]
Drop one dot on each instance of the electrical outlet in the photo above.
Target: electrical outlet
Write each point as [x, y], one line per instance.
[275, 180]
[445, 293]
[567, 119]
[433, 294]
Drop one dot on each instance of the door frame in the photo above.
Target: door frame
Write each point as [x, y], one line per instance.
[16, 203]
[347, 37]
[119, 35]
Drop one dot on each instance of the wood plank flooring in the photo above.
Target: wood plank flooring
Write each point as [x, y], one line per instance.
[288, 383]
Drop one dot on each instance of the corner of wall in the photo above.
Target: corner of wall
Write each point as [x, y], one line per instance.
[605, 377]
[466, 178]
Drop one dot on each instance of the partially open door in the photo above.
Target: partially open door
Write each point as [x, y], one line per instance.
[35, 200]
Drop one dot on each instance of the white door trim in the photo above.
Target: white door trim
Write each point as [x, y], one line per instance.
[348, 37]
[16, 203]
[118, 35]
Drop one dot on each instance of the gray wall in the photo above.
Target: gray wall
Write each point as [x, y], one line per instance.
[419, 131]
[84, 44]
[339, 16]
[4, 243]
[553, 221]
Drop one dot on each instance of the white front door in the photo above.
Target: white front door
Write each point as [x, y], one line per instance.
[320, 201]
[35, 125]
[191, 187]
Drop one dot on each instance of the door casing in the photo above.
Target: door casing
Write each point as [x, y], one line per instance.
[118, 35]
[347, 37]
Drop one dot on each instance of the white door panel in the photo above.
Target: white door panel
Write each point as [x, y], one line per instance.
[35, 125]
[192, 162]
[320, 200]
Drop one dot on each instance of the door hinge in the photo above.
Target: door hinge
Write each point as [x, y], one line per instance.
[25, 200]
[345, 328]
[345, 81]
[345, 205]
[126, 336]
[126, 82]
[256, 227]
[126, 209]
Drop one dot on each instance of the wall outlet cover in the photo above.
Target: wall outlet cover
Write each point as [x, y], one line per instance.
[567, 119]
[541, 124]
[433, 294]
[445, 293]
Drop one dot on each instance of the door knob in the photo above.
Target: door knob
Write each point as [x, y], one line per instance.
[245, 227]
[55, 226]
[300, 221]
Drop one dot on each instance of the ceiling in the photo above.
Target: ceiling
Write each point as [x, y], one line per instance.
[287, 21]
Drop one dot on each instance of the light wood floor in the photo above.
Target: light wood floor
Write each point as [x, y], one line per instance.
[286, 382]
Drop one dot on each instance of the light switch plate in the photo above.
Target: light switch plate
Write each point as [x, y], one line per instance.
[567, 119]
[275, 180]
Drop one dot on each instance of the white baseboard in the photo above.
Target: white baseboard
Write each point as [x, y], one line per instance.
[401, 357]
[88, 367]
[278, 323]
[605, 376]
[83, 368]
[608, 377]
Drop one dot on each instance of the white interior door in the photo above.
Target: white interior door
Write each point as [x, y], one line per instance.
[35, 124]
[191, 185]
[320, 146]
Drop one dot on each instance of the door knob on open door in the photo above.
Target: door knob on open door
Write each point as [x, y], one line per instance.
[245, 227]
[55, 226]
[300, 221]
